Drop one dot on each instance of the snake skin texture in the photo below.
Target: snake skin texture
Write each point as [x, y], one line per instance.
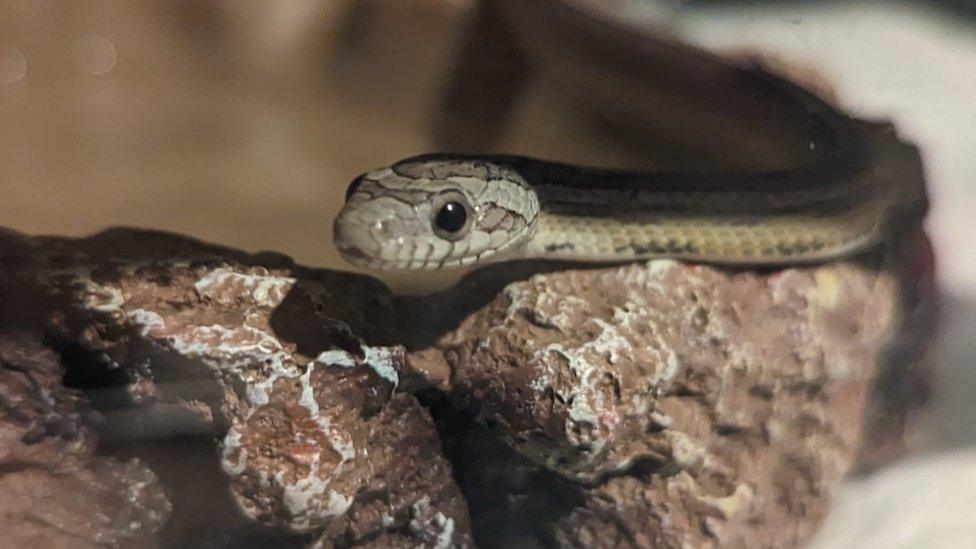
[521, 208]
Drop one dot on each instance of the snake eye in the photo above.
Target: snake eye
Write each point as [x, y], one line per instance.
[451, 218]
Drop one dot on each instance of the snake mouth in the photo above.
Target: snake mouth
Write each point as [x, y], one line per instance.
[355, 256]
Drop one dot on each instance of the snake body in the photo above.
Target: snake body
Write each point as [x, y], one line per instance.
[448, 210]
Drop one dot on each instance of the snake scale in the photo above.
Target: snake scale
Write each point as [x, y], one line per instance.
[441, 211]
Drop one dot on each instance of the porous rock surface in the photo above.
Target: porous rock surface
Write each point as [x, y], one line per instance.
[314, 440]
[652, 404]
[688, 406]
[55, 491]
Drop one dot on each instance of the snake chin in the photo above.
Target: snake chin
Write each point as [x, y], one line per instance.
[355, 257]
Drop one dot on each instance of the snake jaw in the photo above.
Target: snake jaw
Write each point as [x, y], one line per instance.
[355, 257]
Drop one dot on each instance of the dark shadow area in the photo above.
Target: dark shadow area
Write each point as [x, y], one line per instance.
[513, 502]
[205, 515]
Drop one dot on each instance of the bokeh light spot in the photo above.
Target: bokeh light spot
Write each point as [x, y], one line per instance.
[13, 65]
[95, 54]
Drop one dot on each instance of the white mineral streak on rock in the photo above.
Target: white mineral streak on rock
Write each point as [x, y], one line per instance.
[566, 306]
[342, 445]
[251, 354]
[232, 443]
[686, 453]
[446, 536]
[670, 371]
[256, 357]
[579, 372]
[661, 419]
[581, 410]
[265, 290]
[542, 379]
[336, 357]
[149, 323]
[242, 350]
[445, 524]
[417, 510]
[305, 500]
[381, 360]
[308, 500]
[586, 394]
[610, 343]
[516, 299]
[733, 504]
[104, 299]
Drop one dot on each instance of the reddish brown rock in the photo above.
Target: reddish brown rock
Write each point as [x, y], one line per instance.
[692, 406]
[284, 365]
[56, 491]
[657, 404]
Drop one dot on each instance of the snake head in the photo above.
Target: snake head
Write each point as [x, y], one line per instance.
[435, 212]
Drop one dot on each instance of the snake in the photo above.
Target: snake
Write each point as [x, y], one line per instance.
[444, 210]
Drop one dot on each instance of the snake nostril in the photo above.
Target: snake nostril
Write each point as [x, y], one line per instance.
[353, 186]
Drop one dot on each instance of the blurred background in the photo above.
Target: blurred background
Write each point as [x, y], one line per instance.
[241, 123]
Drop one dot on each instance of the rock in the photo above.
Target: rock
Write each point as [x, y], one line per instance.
[650, 404]
[690, 406]
[56, 490]
[283, 364]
